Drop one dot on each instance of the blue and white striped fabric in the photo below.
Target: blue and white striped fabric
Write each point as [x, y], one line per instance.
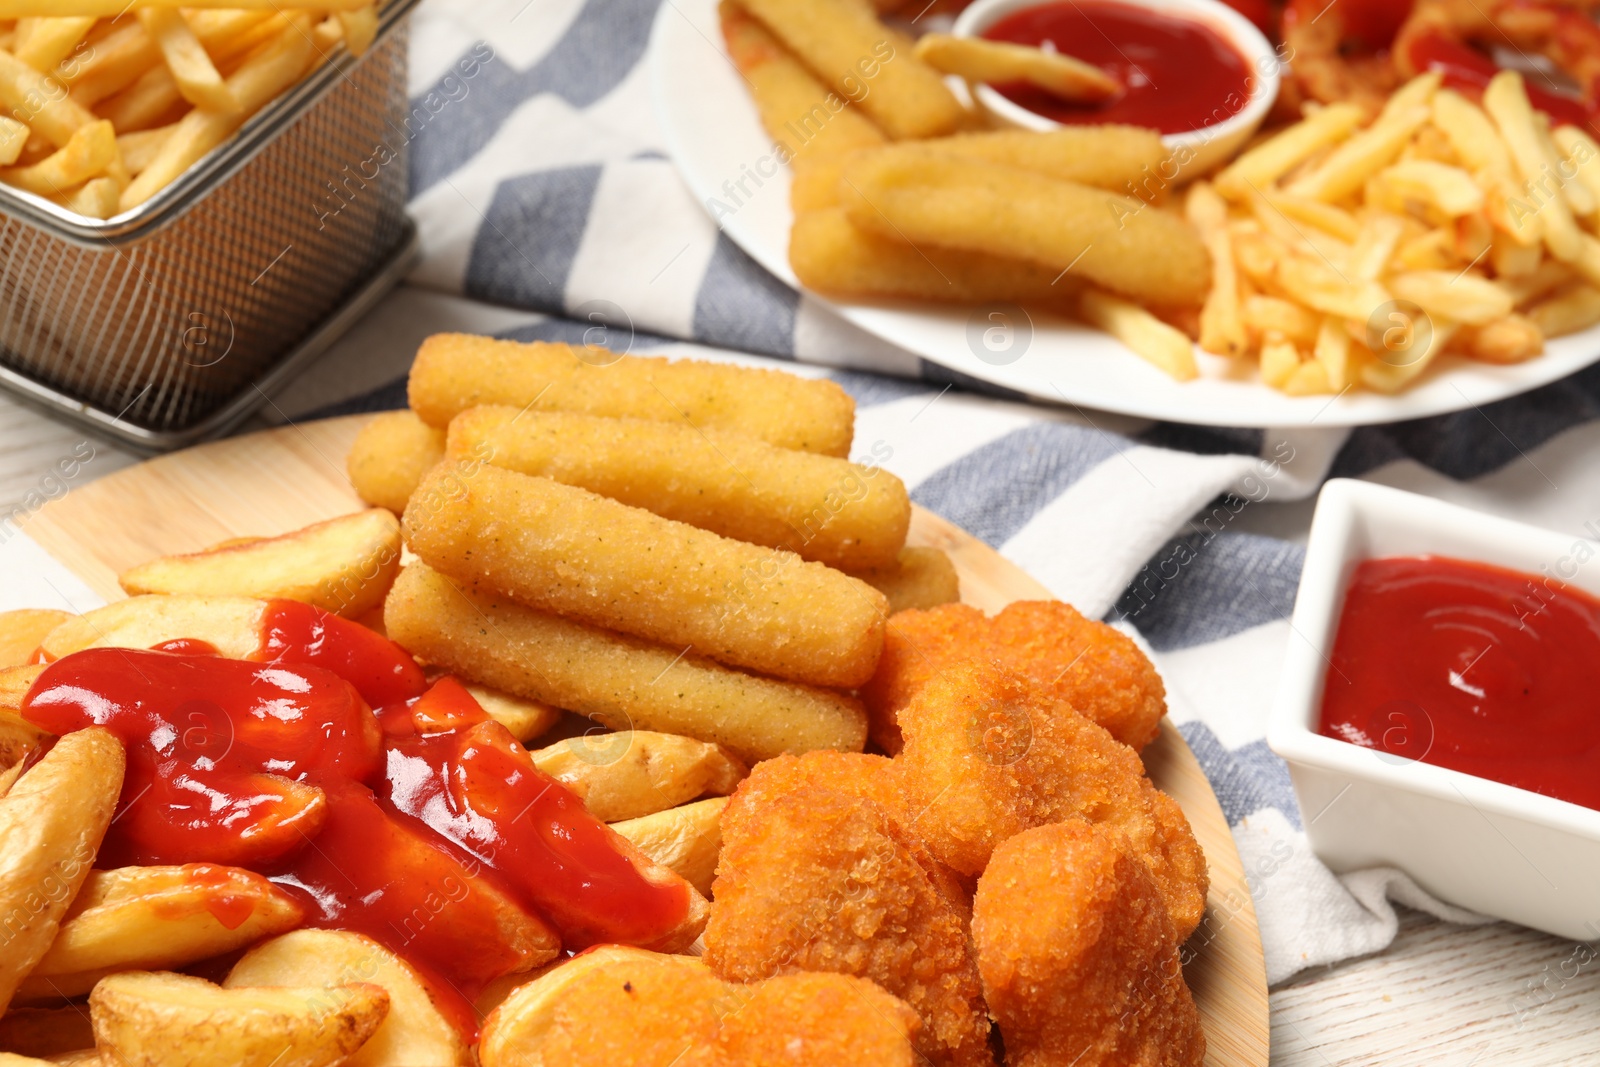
[540, 185]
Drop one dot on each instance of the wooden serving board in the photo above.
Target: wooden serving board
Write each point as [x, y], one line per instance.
[272, 482]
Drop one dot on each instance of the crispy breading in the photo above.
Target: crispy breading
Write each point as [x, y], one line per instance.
[987, 757]
[1087, 664]
[818, 1020]
[1079, 959]
[822, 880]
[644, 1014]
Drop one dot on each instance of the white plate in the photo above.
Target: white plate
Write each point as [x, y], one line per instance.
[717, 143]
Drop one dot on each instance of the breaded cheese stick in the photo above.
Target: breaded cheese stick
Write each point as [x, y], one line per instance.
[865, 61]
[621, 682]
[929, 198]
[821, 508]
[567, 550]
[920, 578]
[455, 371]
[831, 255]
[389, 457]
[804, 117]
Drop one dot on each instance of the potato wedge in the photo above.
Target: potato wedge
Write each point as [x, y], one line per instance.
[231, 624]
[15, 683]
[18, 737]
[688, 839]
[633, 773]
[46, 1031]
[415, 1033]
[147, 918]
[12, 1059]
[513, 1032]
[343, 565]
[159, 1019]
[21, 631]
[51, 823]
[526, 719]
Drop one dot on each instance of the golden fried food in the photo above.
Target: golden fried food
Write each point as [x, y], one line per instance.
[921, 195]
[865, 62]
[818, 1020]
[389, 457]
[631, 773]
[919, 578]
[988, 756]
[802, 116]
[635, 1013]
[1123, 159]
[22, 630]
[51, 822]
[821, 880]
[1100, 672]
[454, 372]
[1079, 959]
[819, 507]
[832, 255]
[570, 551]
[685, 839]
[619, 681]
[975, 59]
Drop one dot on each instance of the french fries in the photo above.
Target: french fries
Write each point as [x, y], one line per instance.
[343, 565]
[454, 372]
[566, 550]
[999, 62]
[633, 773]
[51, 822]
[923, 196]
[148, 918]
[687, 839]
[88, 152]
[22, 630]
[1164, 346]
[186, 59]
[864, 61]
[919, 578]
[415, 1030]
[618, 681]
[159, 1019]
[821, 508]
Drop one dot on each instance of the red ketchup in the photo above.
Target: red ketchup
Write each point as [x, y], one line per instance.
[424, 825]
[1178, 74]
[1468, 70]
[1472, 667]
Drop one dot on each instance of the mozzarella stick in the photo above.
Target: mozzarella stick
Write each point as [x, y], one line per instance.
[864, 61]
[567, 550]
[818, 507]
[456, 371]
[621, 682]
[389, 457]
[920, 578]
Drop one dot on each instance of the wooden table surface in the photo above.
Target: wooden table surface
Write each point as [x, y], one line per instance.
[1441, 995]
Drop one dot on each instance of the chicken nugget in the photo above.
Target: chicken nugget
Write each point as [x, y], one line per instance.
[818, 1020]
[644, 1014]
[820, 880]
[987, 757]
[1079, 959]
[1087, 664]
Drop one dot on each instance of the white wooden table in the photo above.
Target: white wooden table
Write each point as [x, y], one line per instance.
[1441, 995]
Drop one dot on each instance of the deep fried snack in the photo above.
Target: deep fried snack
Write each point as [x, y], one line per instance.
[975, 59]
[920, 578]
[864, 61]
[826, 881]
[618, 681]
[51, 822]
[927, 197]
[45, 1032]
[818, 1020]
[832, 255]
[1079, 661]
[988, 756]
[22, 630]
[1079, 961]
[631, 773]
[804, 118]
[686, 839]
[389, 457]
[455, 371]
[635, 1013]
[819, 507]
[570, 551]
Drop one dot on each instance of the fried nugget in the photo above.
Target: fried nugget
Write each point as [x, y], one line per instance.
[646, 1013]
[1087, 664]
[822, 880]
[987, 756]
[1079, 959]
[818, 1020]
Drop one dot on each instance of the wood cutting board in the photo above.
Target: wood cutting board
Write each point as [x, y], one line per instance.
[278, 480]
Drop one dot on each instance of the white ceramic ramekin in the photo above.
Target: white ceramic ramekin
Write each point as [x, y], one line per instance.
[1197, 151]
[1478, 844]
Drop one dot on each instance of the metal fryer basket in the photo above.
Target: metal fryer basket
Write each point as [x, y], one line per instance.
[159, 325]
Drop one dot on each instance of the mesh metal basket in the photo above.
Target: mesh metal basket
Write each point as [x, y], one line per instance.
[171, 322]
